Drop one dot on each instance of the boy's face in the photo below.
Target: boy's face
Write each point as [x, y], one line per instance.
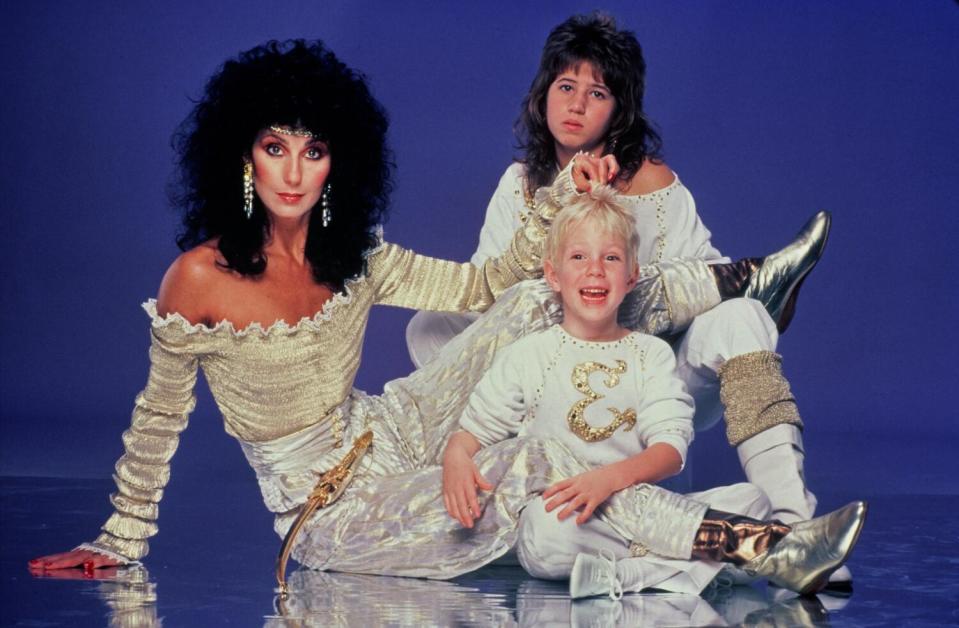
[592, 275]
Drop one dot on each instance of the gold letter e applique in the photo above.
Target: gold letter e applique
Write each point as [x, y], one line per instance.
[576, 417]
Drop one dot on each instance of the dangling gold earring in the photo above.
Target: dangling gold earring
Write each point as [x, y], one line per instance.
[247, 187]
[326, 213]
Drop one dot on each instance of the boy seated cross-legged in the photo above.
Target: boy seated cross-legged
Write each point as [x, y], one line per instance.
[612, 398]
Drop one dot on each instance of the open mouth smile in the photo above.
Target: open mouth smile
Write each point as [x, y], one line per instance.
[593, 295]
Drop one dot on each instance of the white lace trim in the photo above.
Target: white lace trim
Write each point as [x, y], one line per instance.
[312, 323]
[96, 549]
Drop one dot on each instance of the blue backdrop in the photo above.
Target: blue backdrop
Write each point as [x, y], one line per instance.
[769, 112]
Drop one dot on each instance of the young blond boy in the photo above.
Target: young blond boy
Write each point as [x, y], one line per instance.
[612, 397]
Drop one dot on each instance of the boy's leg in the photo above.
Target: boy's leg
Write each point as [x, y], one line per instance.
[548, 548]
[398, 524]
[798, 557]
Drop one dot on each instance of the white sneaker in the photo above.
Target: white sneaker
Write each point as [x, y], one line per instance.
[595, 575]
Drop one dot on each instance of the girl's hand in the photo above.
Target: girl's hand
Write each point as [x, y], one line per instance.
[585, 491]
[461, 478]
[589, 171]
[76, 558]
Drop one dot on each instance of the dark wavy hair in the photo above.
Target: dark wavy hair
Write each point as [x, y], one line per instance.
[298, 84]
[617, 54]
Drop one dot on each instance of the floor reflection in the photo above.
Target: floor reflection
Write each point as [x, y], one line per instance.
[331, 599]
[128, 594]
[335, 599]
[213, 566]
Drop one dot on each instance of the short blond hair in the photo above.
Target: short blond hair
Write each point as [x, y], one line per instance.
[602, 205]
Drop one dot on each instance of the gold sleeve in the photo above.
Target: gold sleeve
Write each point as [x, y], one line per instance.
[406, 279]
[159, 415]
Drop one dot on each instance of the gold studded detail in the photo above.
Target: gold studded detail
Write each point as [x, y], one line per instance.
[288, 130]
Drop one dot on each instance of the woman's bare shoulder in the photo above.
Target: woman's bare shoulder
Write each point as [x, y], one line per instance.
[651, 176]
[189, 280]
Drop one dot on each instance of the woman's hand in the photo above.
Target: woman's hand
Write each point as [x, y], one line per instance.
[585, 491]
[461, 478]
[589, 171]
[76, 558]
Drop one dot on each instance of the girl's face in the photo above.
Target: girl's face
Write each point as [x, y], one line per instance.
[289, 172]
[579, 109]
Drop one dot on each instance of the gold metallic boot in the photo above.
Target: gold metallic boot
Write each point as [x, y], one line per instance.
[775, 280]
[803, 559]
[776, 284]
[730, 538]
[799, 557]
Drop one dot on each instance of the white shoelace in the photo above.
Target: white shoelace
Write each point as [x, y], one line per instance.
[609, 562]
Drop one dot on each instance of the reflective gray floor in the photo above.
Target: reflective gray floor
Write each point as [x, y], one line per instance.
[212, 565]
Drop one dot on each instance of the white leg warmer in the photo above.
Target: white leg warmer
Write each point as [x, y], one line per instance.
[773, 459]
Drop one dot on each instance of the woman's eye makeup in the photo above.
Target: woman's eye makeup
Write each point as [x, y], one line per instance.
[316, 152]
[273, 149]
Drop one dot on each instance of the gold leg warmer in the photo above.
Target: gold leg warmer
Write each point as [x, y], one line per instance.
[756, 395]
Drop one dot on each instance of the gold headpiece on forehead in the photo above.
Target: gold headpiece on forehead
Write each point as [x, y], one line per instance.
[288, 130]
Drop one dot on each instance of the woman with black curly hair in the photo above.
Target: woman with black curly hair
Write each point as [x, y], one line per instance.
[285, 175]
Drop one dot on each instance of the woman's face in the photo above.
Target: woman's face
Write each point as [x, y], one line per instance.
[579, 109]
[289, 172]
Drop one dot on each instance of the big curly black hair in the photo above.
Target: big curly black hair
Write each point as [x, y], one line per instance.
[298, 84]
[618, 56]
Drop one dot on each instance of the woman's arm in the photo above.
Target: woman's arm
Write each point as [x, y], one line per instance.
[406, 279]
[159, 415]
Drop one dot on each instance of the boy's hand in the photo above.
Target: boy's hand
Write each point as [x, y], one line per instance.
[585, 491]
[461, 477]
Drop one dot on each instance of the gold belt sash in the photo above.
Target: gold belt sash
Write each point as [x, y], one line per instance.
[330, 486]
